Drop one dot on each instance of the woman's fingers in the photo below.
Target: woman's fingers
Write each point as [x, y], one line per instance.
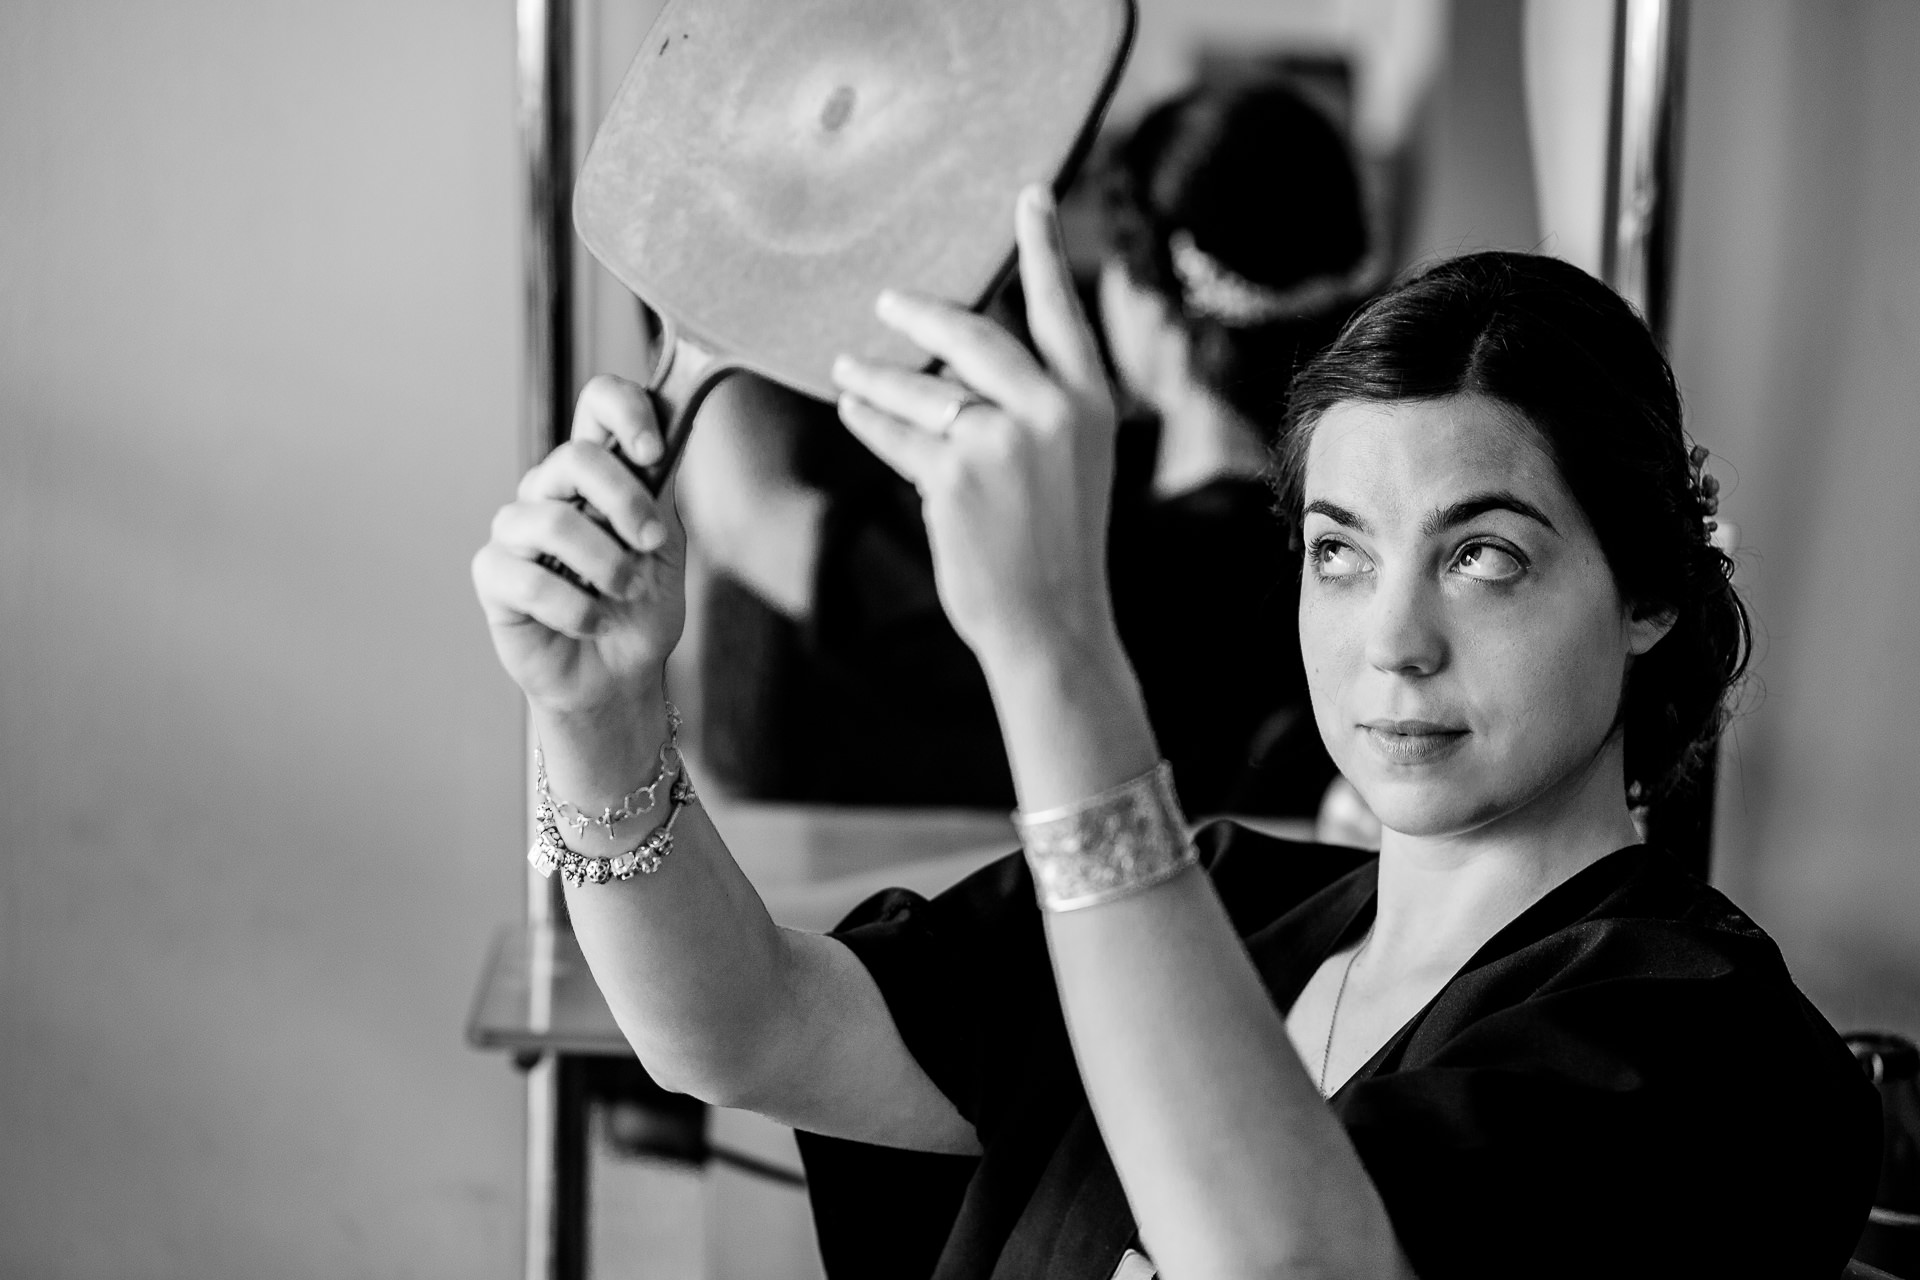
[512, 588]
[911, 451]
[546, 527]
[917, 398]
[981, 353]
[588, 471]
[988, 358]
[613, 410]
[1054, 315]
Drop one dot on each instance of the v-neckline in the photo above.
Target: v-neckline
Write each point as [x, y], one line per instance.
[1352, 932]
[1340, 924]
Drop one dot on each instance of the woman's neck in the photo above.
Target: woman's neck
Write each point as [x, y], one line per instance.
[1442, 897]
[1202, 438]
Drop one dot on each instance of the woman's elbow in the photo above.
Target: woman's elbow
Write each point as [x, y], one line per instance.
[714, 1076]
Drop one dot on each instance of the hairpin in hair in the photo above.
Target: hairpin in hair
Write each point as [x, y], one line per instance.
[1212, 289]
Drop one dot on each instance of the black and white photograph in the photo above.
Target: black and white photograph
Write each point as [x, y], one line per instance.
[959, 639]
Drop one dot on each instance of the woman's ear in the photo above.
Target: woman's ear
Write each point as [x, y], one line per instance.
[1647, 627]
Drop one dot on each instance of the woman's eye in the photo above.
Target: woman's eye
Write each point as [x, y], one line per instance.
[1488, 563]
[1333, 558]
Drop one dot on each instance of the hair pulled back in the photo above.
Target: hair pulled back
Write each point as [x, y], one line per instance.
[1265, 185]
[1579, 365]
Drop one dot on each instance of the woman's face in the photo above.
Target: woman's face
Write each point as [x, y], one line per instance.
[1465, 643]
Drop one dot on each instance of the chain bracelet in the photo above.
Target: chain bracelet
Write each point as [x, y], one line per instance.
[550, 853]
[547, 810]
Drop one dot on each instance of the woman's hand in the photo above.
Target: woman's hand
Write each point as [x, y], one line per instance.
[587, 648]
[1015, 487]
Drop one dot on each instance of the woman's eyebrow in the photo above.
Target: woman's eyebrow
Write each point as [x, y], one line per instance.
[1479, 504]
[1337, 514]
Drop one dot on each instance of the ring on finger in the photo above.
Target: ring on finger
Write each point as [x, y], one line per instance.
[961, 403]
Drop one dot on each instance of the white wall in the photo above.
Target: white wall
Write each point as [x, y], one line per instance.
[1797, 342]
[258, 775]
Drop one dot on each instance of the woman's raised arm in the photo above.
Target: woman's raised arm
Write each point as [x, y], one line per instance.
[1232, 1162]
[716, 1000]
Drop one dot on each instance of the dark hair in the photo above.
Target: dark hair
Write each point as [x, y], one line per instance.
[1579, 364]
[1266, 186]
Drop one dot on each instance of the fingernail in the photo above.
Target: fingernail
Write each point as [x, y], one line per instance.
[653, 535]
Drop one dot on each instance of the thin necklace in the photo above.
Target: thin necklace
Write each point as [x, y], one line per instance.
[1326, 1054]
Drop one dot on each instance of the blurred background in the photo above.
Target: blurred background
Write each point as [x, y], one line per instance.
[261, 783]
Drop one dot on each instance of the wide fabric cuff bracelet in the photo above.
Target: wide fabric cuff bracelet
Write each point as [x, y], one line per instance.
[1109, 846]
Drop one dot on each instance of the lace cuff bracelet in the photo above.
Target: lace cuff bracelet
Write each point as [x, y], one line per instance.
[1108, 846]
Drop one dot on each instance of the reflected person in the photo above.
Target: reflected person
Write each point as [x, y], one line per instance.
[1233, 242]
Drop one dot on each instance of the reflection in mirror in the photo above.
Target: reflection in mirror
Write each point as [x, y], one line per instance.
[820, 668]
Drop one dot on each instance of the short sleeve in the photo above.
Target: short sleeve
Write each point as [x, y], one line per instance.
[958, 975]
[1697, 1123]
[967, 977]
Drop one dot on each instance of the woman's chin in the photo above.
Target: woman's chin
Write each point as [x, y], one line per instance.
[1426, 808]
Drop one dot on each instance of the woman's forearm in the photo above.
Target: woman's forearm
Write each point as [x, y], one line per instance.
[690, 962]
[1230, 1158]
[717, 1000]
[1072, 717]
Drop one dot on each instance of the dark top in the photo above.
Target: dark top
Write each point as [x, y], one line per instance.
[876, 700]
[1623, 1082]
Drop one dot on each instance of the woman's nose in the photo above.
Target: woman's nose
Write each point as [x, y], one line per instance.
[1405, 630]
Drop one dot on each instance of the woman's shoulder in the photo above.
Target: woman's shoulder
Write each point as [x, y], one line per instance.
[1636, 954]
[1636, 1016]
[1657, 919]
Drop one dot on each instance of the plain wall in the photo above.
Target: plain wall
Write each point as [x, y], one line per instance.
[259, 790]
[1797, 343]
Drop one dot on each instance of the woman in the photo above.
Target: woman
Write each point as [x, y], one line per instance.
[830, 673]
[1513, 1043]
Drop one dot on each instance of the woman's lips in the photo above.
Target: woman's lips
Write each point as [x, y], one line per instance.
[1412, 742]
